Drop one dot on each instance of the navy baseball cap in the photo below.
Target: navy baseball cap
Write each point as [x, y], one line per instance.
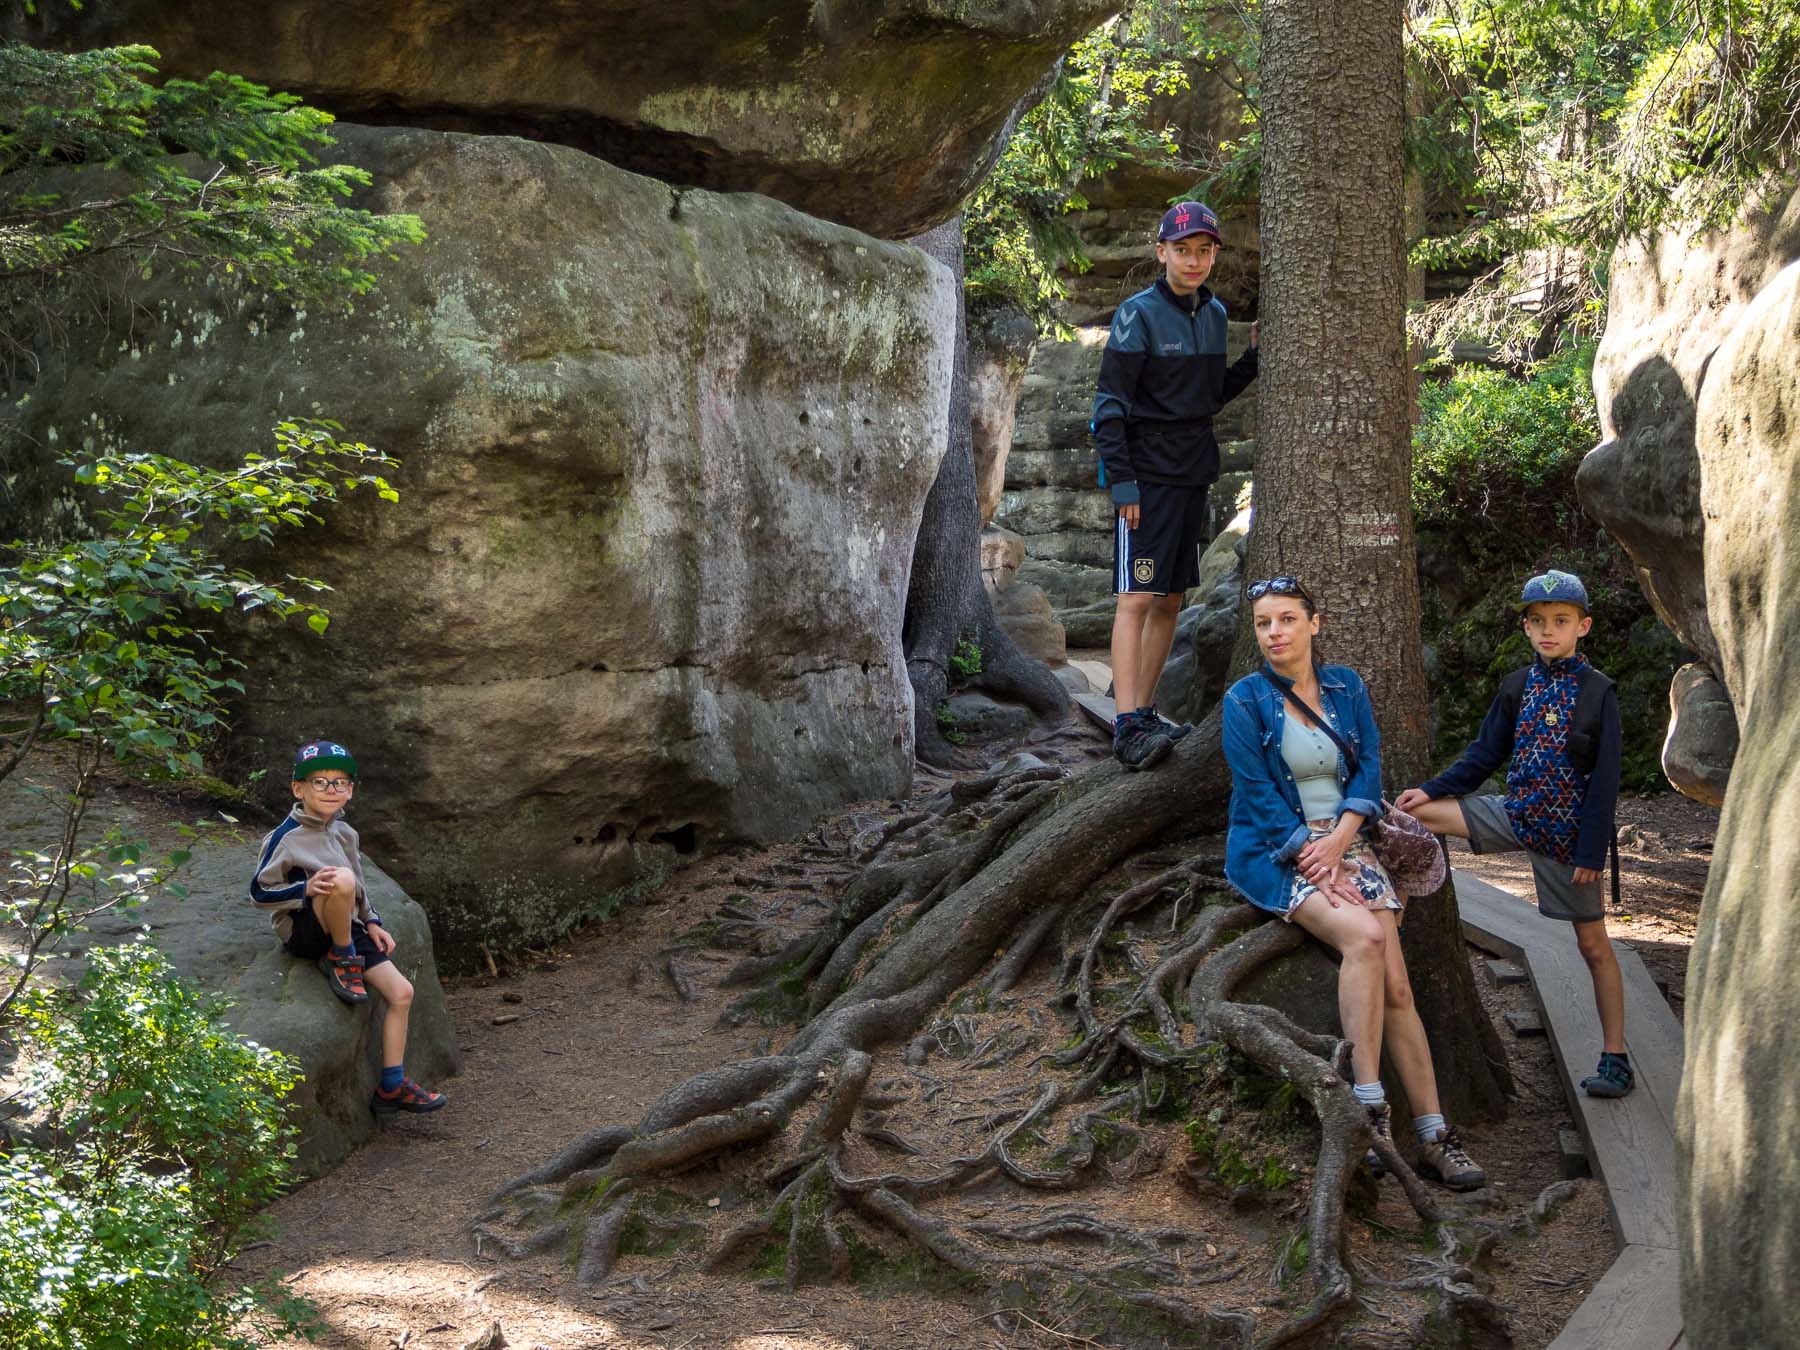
[1554, 587]
[1185, 218]
[316, 755]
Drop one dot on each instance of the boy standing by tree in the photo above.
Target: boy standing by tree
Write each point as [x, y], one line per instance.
[1162, 379]
[309, 877]
[1558, 722]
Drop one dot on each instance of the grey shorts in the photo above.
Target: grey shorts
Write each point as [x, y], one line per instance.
[1559, 895]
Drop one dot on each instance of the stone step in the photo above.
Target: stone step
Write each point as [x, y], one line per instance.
[1070, 585]
[1049, 510]
[1573, 1153]
[1502, 971]
[1524, 1022]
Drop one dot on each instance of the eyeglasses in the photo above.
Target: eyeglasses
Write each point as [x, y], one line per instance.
[329, 784]
[1281, 585]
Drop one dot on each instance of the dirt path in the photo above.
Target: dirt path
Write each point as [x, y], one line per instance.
[597, 1032]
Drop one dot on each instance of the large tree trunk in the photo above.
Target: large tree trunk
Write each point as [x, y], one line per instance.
[1334, 450]
[945, 600]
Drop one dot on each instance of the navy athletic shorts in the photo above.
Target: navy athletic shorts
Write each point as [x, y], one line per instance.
[1162, 555]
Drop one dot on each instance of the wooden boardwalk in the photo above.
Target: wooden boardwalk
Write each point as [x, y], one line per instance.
[1630, 1140]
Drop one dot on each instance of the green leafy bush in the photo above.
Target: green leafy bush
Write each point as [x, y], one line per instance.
[172, 1136]
[1494, 463]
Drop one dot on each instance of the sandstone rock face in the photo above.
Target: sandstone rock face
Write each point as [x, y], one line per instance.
[1741, 1095]
[1703, 735]
[1002, 552]
[882, 114]
[1673, 302]
[1000, 343]
[223, 943]
[664, 457]
[1024, 612]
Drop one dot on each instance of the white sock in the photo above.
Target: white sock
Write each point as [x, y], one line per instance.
[1428, 1128]
[1369, 1094]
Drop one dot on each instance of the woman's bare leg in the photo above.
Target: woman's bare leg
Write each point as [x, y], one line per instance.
[1353, 932]
[1405, 1033]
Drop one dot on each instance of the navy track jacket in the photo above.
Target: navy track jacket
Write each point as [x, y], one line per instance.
[1162, 378]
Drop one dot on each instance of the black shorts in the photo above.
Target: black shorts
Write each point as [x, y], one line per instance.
[1162, 555]
[309, 941]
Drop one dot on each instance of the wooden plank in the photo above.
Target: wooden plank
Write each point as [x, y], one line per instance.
[1098, 707]
[1630, 1141]
[1653, 1035]
[1497, 921]
[1098, 674]
[1630, 1144]
[1635, 1306]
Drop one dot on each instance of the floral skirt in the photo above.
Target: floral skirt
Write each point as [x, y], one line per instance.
[1365, 871]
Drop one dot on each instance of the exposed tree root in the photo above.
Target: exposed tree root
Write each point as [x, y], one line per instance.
[964, 896]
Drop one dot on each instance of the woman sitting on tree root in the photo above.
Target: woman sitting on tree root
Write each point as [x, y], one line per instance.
[1296, 849]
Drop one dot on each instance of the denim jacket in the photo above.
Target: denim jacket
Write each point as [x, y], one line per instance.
[1267, 830]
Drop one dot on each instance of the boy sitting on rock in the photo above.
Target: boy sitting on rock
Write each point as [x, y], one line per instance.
[309, 877]
[1557, 722]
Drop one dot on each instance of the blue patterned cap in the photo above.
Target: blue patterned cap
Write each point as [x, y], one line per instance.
[1554, 587]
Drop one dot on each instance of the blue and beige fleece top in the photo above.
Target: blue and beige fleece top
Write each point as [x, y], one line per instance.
[292, 852]
[1163, 377]
[1553, 806]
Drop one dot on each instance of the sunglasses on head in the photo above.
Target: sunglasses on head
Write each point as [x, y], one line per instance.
[1281, 585]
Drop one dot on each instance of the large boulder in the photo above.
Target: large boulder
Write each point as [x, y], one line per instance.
[1740, 1094]
[664, 456]
[223, 943]
[1673, 300]
[882, 114]
[1703, 735]
[1001, 337]
[1194, 680]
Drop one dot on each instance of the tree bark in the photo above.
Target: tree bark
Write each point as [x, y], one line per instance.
[1334, 452]
[945, 600]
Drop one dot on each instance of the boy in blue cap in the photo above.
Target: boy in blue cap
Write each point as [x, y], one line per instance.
[309, 877]
[1162, 378]
[1557, 721]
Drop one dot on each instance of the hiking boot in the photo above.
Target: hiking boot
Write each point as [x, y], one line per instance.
[1173, 730]
[409, 1096]
[1139, 742]
[345, 976]
[1444, 1160]
[1381, 1121]
[1612, 1079]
